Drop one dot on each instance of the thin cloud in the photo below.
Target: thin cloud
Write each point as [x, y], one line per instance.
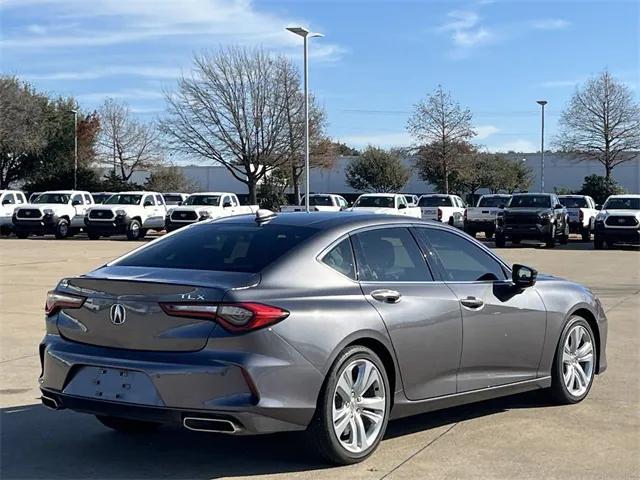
[126, 94]
[380, 139]
[102, 72]
[550, 24]
[485, 131]
[518, 145]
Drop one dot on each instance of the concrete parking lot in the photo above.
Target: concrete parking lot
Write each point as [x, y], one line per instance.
[522, 436]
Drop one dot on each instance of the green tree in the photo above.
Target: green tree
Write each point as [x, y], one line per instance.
[599, 188]
[444, 176]
[377, 170]
[505, 174]
[271, 191]
[170, 179]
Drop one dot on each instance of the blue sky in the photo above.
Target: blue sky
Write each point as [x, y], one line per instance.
[377, 60]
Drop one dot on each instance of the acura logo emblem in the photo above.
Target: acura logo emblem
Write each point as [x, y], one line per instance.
[118, 314]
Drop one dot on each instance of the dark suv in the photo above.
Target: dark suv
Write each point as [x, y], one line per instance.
[533, 216]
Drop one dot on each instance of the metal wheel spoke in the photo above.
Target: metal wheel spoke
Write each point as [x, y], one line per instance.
[345, 385]
[575, 339]
[361, 436]
[568, 376]
[581, 376]
[366, 376]
[375, 417]
[566, 356]
[372, 403]
[585, 351]
[341, 419]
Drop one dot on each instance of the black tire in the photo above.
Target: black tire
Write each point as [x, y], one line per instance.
[516, 240]
[488, 235]
[451, 221]
[500, 240]
[598, 242]
[143, 233]
[5, 230]
[22, 235]
[321, 431]
[134, 230]
[126, 425]
[550, 241]
[559, 391]
[470, 231]
[564, 238]
[93, 235]
[62, 229]
[586, 235]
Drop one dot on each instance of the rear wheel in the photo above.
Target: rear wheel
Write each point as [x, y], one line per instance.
[353, 407]
[550, 242]
[21, 234]
[489, 234]
[143, 232]
[133, 230]
[500, 240]
[598, 242]
[470, 231]
[574, 362]
[62, 229]
[564, 239]
[586, 234]
[5, 231]
[93, 235]
[127, 425]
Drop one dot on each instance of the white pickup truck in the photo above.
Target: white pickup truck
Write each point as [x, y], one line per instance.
[319, 202]
[442, 208]
[9, 200]
[482, 218]
[60, 212]
[386, 203]
[618, 222]
[206, 206]
[582, 214]
[130, 213]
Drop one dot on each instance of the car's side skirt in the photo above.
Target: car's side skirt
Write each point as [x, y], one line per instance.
[404, 408]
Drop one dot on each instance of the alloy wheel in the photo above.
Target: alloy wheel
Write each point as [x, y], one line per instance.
[359, 405]
[577, 360]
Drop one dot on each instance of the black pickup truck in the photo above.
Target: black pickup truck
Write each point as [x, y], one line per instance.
[533, 216]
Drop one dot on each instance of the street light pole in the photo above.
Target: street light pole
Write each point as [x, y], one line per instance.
[305, 34]
[75, 148]
[542, 103]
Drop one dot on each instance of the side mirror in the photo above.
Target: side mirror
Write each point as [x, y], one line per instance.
[226, 205]
[76, 202]
[402, 206]
[523, 276]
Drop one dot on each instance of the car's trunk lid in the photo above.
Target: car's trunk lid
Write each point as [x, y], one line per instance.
[123, 307]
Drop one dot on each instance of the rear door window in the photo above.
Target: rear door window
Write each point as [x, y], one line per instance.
[340, 258]
[225, 247]
[389, 255]
[8, 199]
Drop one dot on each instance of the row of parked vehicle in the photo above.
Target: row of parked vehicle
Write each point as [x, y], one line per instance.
[65, 213]
[544, 217]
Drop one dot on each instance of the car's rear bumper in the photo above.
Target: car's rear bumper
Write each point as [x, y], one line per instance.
[480, 225]
[260, 392]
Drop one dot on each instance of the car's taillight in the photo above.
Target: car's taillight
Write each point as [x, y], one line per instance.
[233, 317]
[56, 301]
[440, 214]
[581, 215]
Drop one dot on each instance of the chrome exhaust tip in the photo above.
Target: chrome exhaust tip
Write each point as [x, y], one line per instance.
[50, 403]
[213, 425]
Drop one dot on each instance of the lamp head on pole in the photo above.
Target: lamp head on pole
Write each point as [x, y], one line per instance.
[303, 32]
[541, 102]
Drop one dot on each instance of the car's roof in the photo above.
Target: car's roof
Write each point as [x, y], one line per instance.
[136, 192]
[325, 220]
[437, 195]
[626, 195]
[379, 194]
[523, 194]
[64, 191]
[496, 195]
[212, 193]
[174, 193]
[569, 195]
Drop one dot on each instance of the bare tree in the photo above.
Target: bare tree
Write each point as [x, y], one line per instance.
[441, 126]
[601, 123]
[126, 143]
[322, 153]
[23, 131]
[231, 111]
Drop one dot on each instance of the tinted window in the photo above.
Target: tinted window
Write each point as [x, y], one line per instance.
[123, 199]
[340, 258]
[622, 203]
[574, 202]
[52, 198]
[8, 198]
[221, 247]
[148, 200]
[434, 202]
[460, 259]
[530, 201]
[319, 201]
[160, 200]
[493, 201]
[87, 199]
[379, 202]
[390, 255]
[172, 199]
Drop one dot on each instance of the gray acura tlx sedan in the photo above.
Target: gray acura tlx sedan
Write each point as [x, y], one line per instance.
[333, 323]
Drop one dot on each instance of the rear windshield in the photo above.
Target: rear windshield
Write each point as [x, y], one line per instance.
[100, 197]
[172, 199]
[319, 201]
[493, 201]
[574, 202]
[435, 202]
[622, 203]
[224, 247]
[123, 199]
[379, 202]
[530, 201]
[211, 200]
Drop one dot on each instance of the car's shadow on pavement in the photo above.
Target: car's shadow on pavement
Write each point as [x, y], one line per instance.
[39, 443]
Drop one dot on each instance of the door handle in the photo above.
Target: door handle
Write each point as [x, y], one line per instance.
[472, 303]
[386, 296]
